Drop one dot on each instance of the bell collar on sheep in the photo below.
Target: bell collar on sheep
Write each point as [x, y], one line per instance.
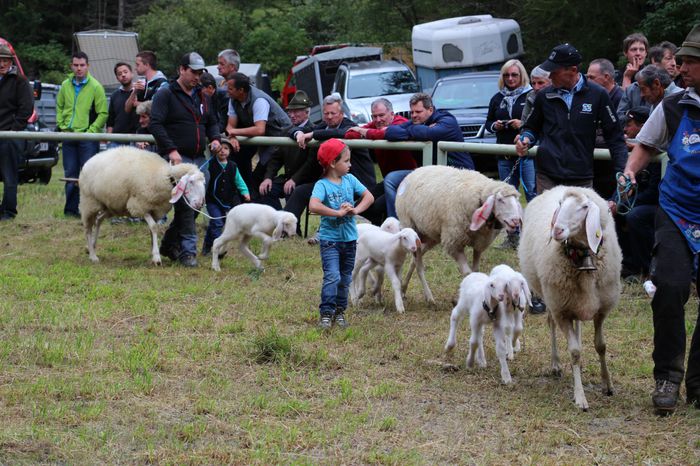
[580, 256]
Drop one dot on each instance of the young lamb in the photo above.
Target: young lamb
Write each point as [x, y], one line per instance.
[388, 250]
[518, 297]
[390, 225]
[482, 297]
[457, 208]
[126, 181]
[577, 274]
[246, 221]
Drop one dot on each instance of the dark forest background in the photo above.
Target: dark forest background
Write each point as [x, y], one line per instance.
[275, 32]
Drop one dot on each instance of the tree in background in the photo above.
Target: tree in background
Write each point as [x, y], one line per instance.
[670, 20]
[205, 26]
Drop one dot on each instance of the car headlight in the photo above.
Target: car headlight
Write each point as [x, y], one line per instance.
[359, 118]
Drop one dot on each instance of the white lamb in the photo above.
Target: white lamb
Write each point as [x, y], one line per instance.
[390, 225]
[388, 250]
[518, 297]
[126, 181]
[246, 221]
[481, 296]
[577, 274]
[457, 208]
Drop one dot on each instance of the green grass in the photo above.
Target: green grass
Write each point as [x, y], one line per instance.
[123, 362]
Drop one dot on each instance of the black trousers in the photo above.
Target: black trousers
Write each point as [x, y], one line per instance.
[297, 202]
[671, 272]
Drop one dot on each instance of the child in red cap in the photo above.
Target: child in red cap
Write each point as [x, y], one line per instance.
[333, 198]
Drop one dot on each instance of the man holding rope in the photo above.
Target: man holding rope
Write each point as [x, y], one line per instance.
[182, 119]
[674, 126]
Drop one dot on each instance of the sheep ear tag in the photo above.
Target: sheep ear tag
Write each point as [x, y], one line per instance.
[179, 189]
[482, 213]
[594, 232]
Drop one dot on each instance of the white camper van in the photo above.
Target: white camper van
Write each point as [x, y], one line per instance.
[462, 45]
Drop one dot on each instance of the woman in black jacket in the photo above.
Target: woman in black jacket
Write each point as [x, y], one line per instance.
[504, 119]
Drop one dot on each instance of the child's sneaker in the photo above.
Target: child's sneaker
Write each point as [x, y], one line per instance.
[324, 323]
[340, 319]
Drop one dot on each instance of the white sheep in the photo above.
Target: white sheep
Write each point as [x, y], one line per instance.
[246, 221]
[457, 208]
[481, 296]
[518, 297]
[388, 250]
[126, 181]
[391, 225]
[577, 274]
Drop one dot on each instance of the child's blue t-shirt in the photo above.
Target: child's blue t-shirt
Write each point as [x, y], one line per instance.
[333, 195]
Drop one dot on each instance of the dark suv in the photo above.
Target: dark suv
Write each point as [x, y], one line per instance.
[38, 157]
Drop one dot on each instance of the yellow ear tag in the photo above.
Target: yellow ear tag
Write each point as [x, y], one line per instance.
[598, 233]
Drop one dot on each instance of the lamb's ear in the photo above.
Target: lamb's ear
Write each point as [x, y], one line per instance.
[179, 189]
[594, 233]
[277, 233]
[482, 213]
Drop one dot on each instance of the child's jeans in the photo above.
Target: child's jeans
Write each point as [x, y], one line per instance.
[216, 225]
[337, 259]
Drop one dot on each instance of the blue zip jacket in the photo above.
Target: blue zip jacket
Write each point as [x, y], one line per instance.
[441, 126]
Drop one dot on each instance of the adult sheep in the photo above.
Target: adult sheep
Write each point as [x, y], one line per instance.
[570, 256]
[457, 208]
[126, 181]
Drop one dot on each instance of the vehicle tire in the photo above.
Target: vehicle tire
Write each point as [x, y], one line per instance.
[44, 175]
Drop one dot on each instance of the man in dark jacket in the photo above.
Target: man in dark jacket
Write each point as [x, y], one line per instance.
[427, 124]
[118, 120]
[563, 123]
[16, 106]
[181, 121]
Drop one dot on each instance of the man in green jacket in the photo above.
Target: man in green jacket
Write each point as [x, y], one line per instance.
[81, 107]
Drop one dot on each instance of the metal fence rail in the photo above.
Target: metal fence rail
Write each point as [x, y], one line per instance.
[426, 147]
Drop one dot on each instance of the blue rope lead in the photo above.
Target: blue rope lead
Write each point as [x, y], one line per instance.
[625, 194]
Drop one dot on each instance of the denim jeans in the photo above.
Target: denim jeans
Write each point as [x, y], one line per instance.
[216, 225]
[391, 184]
[526, 167]
[75, 154]
[9, 167]
[337, 259]
[182, 232]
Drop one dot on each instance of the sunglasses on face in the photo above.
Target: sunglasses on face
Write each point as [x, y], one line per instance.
[511, 75]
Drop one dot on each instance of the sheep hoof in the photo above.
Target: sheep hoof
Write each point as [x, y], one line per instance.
[607, 391]
[157, 262]
[555, 371]
[449, 367]
[94, 259]
[216, 268]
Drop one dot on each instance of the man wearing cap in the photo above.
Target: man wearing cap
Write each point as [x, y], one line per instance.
[16, 106]
[563, 124]
[300, 166]
[182, 120]
[674, 126]
[81, 107]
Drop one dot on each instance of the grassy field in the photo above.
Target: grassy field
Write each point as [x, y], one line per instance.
[122, 362]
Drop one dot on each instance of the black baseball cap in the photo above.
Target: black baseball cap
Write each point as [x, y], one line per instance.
[562, 55]
[638, 114]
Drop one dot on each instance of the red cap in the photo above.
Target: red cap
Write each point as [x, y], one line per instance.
[329, 151]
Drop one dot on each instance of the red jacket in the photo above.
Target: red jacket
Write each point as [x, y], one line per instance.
[388, 160]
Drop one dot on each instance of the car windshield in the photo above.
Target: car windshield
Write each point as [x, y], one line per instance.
[388, 83]
[465, 93]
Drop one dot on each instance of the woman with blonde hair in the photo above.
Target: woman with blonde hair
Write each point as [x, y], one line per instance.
[505, 119]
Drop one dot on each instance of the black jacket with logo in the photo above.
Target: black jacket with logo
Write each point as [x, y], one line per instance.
[566, 138]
